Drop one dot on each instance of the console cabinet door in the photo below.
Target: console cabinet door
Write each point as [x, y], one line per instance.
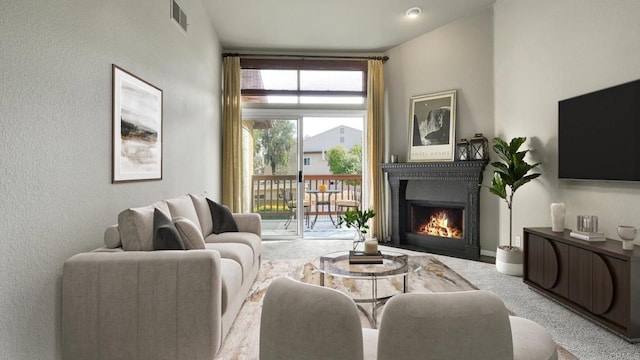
[602, 284]
[597, 284]
[561, 284]
[580, 286]
[546, 264]
[535, 259]
[612, 292]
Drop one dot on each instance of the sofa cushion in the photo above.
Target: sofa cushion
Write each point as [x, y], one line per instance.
[222, 218]
[135, 226]
[165, 234]
[204, 213]
[183, 207]
[240, 253]
[250, 239]
[189, 232]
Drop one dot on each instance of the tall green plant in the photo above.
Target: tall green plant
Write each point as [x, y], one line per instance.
[511, 172]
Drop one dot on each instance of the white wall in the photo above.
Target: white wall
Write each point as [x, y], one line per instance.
[546, 51]
[456, 56]
[56, 194]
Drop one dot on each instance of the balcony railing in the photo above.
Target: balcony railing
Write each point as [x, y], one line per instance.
[269, 193]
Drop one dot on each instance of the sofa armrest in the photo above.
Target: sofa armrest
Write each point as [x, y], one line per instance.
[249, 222]
[142, 305]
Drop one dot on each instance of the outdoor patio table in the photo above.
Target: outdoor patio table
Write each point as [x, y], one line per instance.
[323, 202]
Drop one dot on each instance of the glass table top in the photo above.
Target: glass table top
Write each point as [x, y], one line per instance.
[337, 264]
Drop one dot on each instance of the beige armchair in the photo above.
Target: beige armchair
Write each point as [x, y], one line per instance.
[458, 325]
[304, 321]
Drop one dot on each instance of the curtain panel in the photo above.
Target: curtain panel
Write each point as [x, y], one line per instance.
[232, 135]
[375, 147]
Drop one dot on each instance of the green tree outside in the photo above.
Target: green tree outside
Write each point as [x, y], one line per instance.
[345, 162]
[274, 144]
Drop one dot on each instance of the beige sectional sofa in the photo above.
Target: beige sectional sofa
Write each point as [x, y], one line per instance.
[126, 301]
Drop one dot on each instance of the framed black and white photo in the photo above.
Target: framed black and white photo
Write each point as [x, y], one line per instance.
[137, 128]
[432, 127]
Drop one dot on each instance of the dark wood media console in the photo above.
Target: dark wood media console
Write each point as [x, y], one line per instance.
[598, 280]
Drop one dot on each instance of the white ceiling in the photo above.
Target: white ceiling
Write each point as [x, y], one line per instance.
[364, 26]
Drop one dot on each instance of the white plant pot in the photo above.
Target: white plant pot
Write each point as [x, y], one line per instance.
[509, 261]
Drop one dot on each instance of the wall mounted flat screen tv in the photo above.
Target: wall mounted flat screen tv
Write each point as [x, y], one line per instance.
[599, 135]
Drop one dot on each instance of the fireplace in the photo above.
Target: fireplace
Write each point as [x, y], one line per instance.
[429, 219]
[435, 207]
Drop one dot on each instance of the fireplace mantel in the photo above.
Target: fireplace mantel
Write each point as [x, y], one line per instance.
[465, 176]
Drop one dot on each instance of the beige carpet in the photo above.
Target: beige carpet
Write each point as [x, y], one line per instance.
[427, 274]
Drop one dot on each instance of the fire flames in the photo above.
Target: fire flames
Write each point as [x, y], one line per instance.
[438, 225]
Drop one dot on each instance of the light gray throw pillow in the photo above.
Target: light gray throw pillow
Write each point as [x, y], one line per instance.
[189, 232]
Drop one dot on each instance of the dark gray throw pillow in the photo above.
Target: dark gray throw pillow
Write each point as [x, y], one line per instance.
[165, 234]
[222, 218]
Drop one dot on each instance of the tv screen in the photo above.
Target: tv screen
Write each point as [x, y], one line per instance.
[599, 135]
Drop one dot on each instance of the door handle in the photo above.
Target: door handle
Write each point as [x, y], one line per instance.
[299, 176]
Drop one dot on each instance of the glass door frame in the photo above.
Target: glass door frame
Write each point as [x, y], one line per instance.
[298, 113]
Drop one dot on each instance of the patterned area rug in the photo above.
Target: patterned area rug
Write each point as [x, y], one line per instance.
[426, 274]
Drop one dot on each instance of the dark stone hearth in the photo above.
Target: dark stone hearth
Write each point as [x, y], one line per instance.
[441, 183]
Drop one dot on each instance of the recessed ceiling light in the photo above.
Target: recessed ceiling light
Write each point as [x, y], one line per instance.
[413, 12]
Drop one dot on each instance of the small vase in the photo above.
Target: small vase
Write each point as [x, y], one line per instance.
[557, 217]
[357, 240]
[627, 234]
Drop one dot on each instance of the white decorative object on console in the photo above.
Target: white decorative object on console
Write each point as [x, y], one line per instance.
[557, 217]
[627, 234]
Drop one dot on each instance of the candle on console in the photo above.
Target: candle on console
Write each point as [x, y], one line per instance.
[371, 247]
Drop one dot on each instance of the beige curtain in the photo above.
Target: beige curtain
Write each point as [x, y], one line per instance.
[232, 136]
[375, 147]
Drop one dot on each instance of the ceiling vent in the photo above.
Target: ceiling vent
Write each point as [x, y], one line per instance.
[178, 15]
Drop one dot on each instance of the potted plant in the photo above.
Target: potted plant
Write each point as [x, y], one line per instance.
[357, 219]
[511, 173]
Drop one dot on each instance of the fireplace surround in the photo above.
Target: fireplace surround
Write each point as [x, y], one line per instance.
[449, 187]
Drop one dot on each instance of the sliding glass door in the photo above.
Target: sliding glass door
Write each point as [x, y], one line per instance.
[332, 167]
[273, 146]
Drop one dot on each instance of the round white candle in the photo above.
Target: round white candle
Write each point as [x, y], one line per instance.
[371, 247]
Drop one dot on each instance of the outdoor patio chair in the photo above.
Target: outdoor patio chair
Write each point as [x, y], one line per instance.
[352, 202]
[291, 203]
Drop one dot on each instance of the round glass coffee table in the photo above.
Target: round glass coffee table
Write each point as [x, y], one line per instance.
[337, 264]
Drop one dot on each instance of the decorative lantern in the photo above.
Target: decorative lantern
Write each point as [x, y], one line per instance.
[478, 147]
[462, 150]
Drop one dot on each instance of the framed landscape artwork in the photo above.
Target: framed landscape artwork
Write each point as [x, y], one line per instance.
[432, 127]
[137, 128]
